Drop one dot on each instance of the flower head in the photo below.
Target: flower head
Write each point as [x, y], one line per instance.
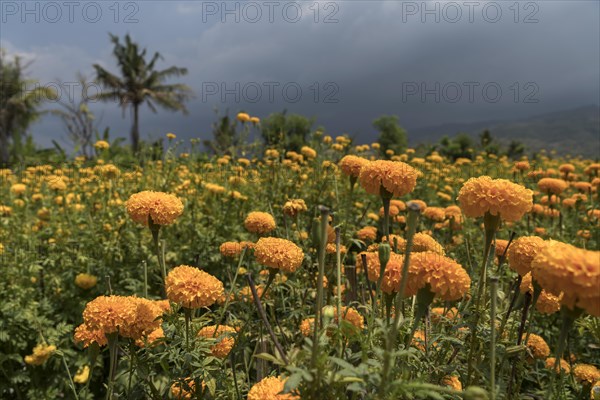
[586, 373]
[192, 288]
[41, 353]
[86, 281]
[445, 277]
[552, 185]
[522, 251]
[395, 177]
[163, 208]
[351, 165]
[278, 253]
[294, 207]
[537, 346]
[270, 388]
[259, 222]
[495, 196]
[223, 339]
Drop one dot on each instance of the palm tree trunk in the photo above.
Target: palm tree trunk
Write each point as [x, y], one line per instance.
[135, 133]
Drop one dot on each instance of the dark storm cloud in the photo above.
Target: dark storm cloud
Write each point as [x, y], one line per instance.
[428, 62]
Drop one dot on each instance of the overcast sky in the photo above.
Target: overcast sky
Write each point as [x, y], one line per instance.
[343, 62]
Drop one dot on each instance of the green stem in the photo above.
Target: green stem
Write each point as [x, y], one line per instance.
[113, 342]
[338, 270]
[71, 384]
[145, 266]
[188, 316]
[318, 306]
[494, 294]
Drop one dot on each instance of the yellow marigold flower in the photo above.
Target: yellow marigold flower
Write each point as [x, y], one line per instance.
[586, 373]
[452, 381]
[331, 249]
[278, 253]
[522, 251]
[82, 375]
[496, 196]
[243, 117]
[563, 365]
[163, 208]
[171, 136]
[367, 233]
[109, 313]
[307, 326]
[373, 265]
[192, 288]
[234, 249]
[101, 145]
[446, 278]
[57, 183]
[438, 312]
[583, 187]
[222, 335]
[308, 152]
[537, 346]
[255, 120]
[424, 242]
[575, 272]
[522, 165]
[87, 335]
[294, 207]
[552, 185]
[185, 389]
[351, 165]
[214, 188]
[566, 168]
[422, 205]
[270, 388]
[500, 247]
[18, 189]
[547, 303]
[151, 338]
[41, 353]
[395, 177]
[434, 213]
[259, 222]
[86, 281]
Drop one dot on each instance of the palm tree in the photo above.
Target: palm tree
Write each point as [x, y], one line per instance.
[140, 82]
[20, 99]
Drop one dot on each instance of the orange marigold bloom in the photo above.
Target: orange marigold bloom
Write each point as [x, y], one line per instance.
[575, 272]
[522, 165]
[259, 222]
[500, 247]
[351, 165]
[307, 326]
[395, 177]
[452, 381]
[278, 253]
[222, 334]
[586, 373]
[86, 335]
[294, 207]
[41, 353]
[538, 346]
[86, 281]
[496, 196]
[373, 265]
[270, 388]
[547, 303]
[163, 208]
[563, 365]
[185, 389]
[552, 185]
[367, 233]
[565, 168]
[424, 242]
[192, 288]
[522, 251]
[109, 313]
[151, 337]
[435, 213]
[438, 312]
[422, 205]
[446, 278]
[234, 249]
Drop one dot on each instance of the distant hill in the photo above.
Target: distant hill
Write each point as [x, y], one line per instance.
[575, 131]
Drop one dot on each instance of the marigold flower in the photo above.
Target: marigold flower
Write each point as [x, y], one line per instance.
[86, 281]
[18, 189]
[522, 251]
[351, 165]
[101, 145]
[367, 233]
[563, 365]
[234, 249]
[192, 288]
[496, 196]
[243, 117]
[561, 267]
[270, 388]
[87, 335]
[41, 353]
[171, 136]
[278, 253]
[537, 346]
[586, 373]
[109, 313]
[547, 303]
[424, 242]
[373, 265]
[522, 165]
[435, 214]
[255, 120]
[438, 312]
[308, 152]
[307, 326]
[552, 185]
[185, 389]
[151, 338]
[294, 207]
[395, 177]
[445, 277]
[82, 375]
[222, 335]
[452, 381]
[259, 222]
[162, 208]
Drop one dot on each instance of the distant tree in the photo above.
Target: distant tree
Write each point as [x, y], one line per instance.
[225, 135]
[515, 149]
[79, 121]
[487, 143]
[460, 146]
[391, 135]
[140, 83]
[290, 130]
[20, 101]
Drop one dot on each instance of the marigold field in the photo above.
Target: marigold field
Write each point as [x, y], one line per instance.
[328, 273]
